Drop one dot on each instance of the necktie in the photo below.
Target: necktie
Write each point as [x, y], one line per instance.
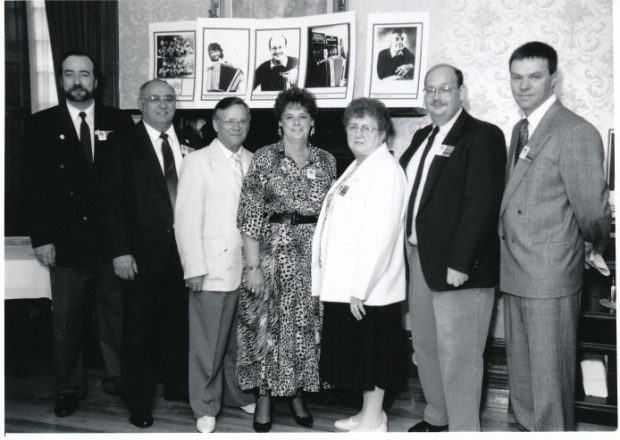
[238, 167]
[170, 171]
[85, 138]
[418, 178]
[523, 138]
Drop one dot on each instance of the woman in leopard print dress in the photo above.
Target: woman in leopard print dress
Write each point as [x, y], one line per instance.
[279, 322]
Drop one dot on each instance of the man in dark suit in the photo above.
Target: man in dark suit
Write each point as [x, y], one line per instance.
[455, 170]
[64, 146]
[139, 192]
[396, 62]
[278, 73]
[556, 197]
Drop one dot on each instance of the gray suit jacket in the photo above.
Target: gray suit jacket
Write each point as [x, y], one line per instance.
[554, 199]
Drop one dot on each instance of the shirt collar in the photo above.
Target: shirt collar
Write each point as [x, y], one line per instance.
[284, 62]
[229, 154]
[536, 116]
[154, 133]
[445, 128]
[75, 112]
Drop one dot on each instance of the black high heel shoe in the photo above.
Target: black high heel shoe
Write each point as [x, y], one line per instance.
[306, 421]
[262, 427]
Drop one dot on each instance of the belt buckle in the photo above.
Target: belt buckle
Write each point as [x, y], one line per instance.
[294, 218]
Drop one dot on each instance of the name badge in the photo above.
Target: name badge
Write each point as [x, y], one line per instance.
[445, 150]
[102, 135]
[311, 173]
[185, 150]
[525, 154]
[343, 190]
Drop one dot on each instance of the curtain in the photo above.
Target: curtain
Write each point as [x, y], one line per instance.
[92, 27]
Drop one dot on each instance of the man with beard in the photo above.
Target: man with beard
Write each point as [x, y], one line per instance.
[396, 62]
[278, 73]
[64, 146]
[455, 170]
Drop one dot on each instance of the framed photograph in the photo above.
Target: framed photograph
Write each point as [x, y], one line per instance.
[610, 169]
[397, 48]
[172, 48]
[271, 9]
[225, 54]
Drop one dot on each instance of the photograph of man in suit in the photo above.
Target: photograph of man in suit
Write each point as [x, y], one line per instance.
[139, 193]
[64, 146]
[555, 199]
[210, 250]
[397, 61]
[280, 72]
[455, 171]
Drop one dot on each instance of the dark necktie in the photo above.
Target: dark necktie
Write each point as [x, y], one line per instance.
[170, 170]
[418, 178]
[523, 138]
[85, 138]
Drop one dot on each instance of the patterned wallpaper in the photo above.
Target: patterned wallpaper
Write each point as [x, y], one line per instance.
[475, 35]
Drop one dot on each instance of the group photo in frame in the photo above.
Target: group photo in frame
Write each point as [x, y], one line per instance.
[396, 57]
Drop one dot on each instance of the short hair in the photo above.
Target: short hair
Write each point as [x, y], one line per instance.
[536, 49]
[398, 31]
[373, 108]
[215, 46]
[457, 72]
[145, 85]
[228, 102]
[79, 53]
[295, 95]
[276, 36]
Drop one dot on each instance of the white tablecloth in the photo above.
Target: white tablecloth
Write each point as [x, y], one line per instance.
[25, 277]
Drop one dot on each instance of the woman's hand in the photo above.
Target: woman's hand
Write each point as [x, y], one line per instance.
[255, 282]
[357, 308]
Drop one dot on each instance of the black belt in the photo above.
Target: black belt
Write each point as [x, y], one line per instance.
[292, 218]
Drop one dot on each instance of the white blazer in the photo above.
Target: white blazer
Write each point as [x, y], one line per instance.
[206, 230]
[359, 240]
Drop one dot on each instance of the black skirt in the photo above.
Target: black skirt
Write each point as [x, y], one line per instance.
[362, 354]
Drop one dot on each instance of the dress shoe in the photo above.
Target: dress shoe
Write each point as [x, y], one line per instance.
[175, 396]
[346, 424]
[249, 409]
[424, 426]
[141, 419]
[305, 421]
[381, 428]
[262, 427]
[66, 404]
[205, 424]
[113, 386]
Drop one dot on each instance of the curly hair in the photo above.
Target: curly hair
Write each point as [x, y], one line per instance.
[360, 107]
[295, 95]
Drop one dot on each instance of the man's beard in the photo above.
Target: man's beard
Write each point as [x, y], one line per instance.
[73, 95]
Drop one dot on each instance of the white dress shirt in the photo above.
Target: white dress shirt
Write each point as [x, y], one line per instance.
[230, 155]
[414, 164]
[77, 121]
[156, 141]
[536, 116]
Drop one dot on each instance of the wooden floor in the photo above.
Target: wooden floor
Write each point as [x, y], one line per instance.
[29, 402]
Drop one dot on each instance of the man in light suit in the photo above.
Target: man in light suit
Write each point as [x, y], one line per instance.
[555, 198]
[455, 172]
[139, 193]
[65, 145]
[210, 249]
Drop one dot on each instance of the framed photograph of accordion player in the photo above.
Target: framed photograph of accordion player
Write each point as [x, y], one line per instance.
[225, 62]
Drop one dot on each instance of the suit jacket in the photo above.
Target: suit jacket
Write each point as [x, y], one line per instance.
[206, 230]
[137, 212]
[269, 79]
[386, 64]
[63, 202]
[554, 199]
[459, 207]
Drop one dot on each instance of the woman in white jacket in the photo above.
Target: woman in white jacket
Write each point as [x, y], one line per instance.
[358, 267]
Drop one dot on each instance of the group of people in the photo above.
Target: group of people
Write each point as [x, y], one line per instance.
[263, 276]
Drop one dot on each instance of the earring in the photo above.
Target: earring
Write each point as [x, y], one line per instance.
[280, 132]
[311, 131]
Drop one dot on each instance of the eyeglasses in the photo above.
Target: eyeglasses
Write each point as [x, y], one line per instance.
[365, 129]
[156, 99]
[441, 91]
[229, 122]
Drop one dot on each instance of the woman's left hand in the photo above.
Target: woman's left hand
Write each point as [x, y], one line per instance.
[357, 308]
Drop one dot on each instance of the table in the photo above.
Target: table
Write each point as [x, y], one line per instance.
[24, 276]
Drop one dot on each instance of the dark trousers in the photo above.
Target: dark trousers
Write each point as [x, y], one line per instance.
[155, 316]
[71, 290]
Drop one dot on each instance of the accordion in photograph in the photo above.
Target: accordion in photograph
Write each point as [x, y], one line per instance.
[222, 78]
[336, 72]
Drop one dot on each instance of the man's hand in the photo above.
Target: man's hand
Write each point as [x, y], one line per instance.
[195, 283]
[357, 308]
[456, 278]
[46, 254]
[125, 267]
[403, 70]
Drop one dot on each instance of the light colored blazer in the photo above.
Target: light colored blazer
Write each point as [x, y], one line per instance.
[206, 230]
[554, 199]
[360, 242]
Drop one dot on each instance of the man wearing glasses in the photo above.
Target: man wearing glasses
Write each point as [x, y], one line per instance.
[139, 192]
[455, 171]
[210, 249]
